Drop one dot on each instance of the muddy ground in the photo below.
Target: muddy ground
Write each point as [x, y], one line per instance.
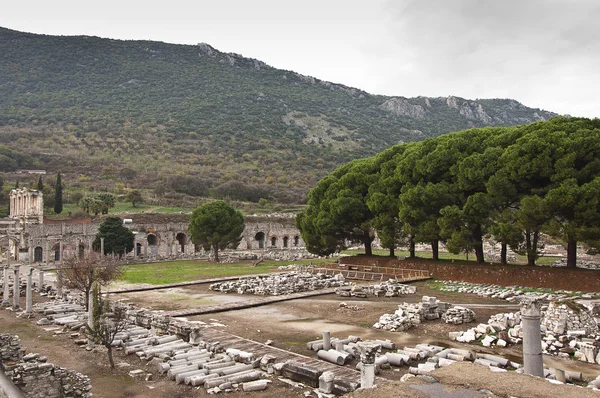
[290, 325]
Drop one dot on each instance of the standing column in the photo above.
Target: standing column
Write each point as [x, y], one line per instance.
[41, 279]
[5, 300]
[29, 293]
[47, 251]
[16, 288]
[61, 250]
[101, 246]
[367, 357]
[326, 340]
[533, 362]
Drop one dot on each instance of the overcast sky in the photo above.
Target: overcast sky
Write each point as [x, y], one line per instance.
[543, 53]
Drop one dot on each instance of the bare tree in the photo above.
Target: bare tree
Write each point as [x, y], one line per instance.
[81, 273]
[109, 319]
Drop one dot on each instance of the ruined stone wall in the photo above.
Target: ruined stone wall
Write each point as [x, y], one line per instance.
[156, 235]
[505, 275]
[35, 377]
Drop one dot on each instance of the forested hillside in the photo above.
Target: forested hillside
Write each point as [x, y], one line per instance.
[193, 120]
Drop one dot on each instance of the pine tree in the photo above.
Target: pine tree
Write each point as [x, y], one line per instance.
[40, 184]
[58, 201]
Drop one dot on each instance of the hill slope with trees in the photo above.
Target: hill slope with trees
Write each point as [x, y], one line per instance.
[194, 120]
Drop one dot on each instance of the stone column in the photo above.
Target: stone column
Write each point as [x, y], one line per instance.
[532, 343]
[5, 300]
[326, 340]
[41, 279]
[16, 288]
[59, 282]
[101, 246]
[367, 357]
[91, 310]
[61, 250]
[29, 293]
[29, 252]
[47, 251]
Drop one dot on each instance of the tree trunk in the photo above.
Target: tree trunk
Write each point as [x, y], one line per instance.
[478, 244]
[368, 249]
[111, 362]
[503, 251]
[392, 251]
[435, 249]
[531, 247]
[411, 247]
[572, 253]
[216, 250]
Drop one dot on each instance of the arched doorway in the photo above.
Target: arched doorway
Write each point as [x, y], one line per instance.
[273, 241]
[81, 251]
[153, 244]
[296, 240]
[138, 249]
[38, 254]
[260, 237]
[56, 249]
[182, 239]
[285, 241]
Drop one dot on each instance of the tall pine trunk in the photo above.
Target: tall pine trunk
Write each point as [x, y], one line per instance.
[478, 244]
[572, 253]
[216, 250]
[411, 247]
[435, 249]
[531, 243]
[392, 252]
[367, 241]
[503, 253]
[110, 356]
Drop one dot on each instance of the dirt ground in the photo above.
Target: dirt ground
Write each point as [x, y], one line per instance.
[290, 325]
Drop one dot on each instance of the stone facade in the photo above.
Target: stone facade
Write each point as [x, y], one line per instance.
[27, 205]
[157, 236]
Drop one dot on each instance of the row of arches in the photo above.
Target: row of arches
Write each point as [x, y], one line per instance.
[260, 238]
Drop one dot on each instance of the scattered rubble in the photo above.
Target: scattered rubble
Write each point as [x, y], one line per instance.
[390, 288]
[274, 285]
[408, 315]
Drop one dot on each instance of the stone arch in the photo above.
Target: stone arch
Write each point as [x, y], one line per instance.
[260, 237]
[273, 241]
[285, 241]
[296, 240]
[153, 244]
[38, 254]
[182, 239]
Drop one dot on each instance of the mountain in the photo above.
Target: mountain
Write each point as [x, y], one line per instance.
[194, 120]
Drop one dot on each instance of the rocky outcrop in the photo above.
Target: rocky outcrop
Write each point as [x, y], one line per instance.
[401, 107]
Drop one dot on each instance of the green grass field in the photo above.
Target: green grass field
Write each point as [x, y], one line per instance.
[183, 271]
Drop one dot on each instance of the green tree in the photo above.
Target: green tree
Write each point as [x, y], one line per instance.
[134, 196]
[337, 211]
[58, 199]
[117, 238]
[40, 184]
[107, 201]
[216, 225]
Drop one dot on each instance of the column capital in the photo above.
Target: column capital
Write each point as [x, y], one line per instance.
[531, 306]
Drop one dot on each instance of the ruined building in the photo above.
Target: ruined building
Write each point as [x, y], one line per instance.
[31, 236]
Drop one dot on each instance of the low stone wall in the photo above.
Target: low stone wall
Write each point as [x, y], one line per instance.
[506, 275]
[36, 378]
